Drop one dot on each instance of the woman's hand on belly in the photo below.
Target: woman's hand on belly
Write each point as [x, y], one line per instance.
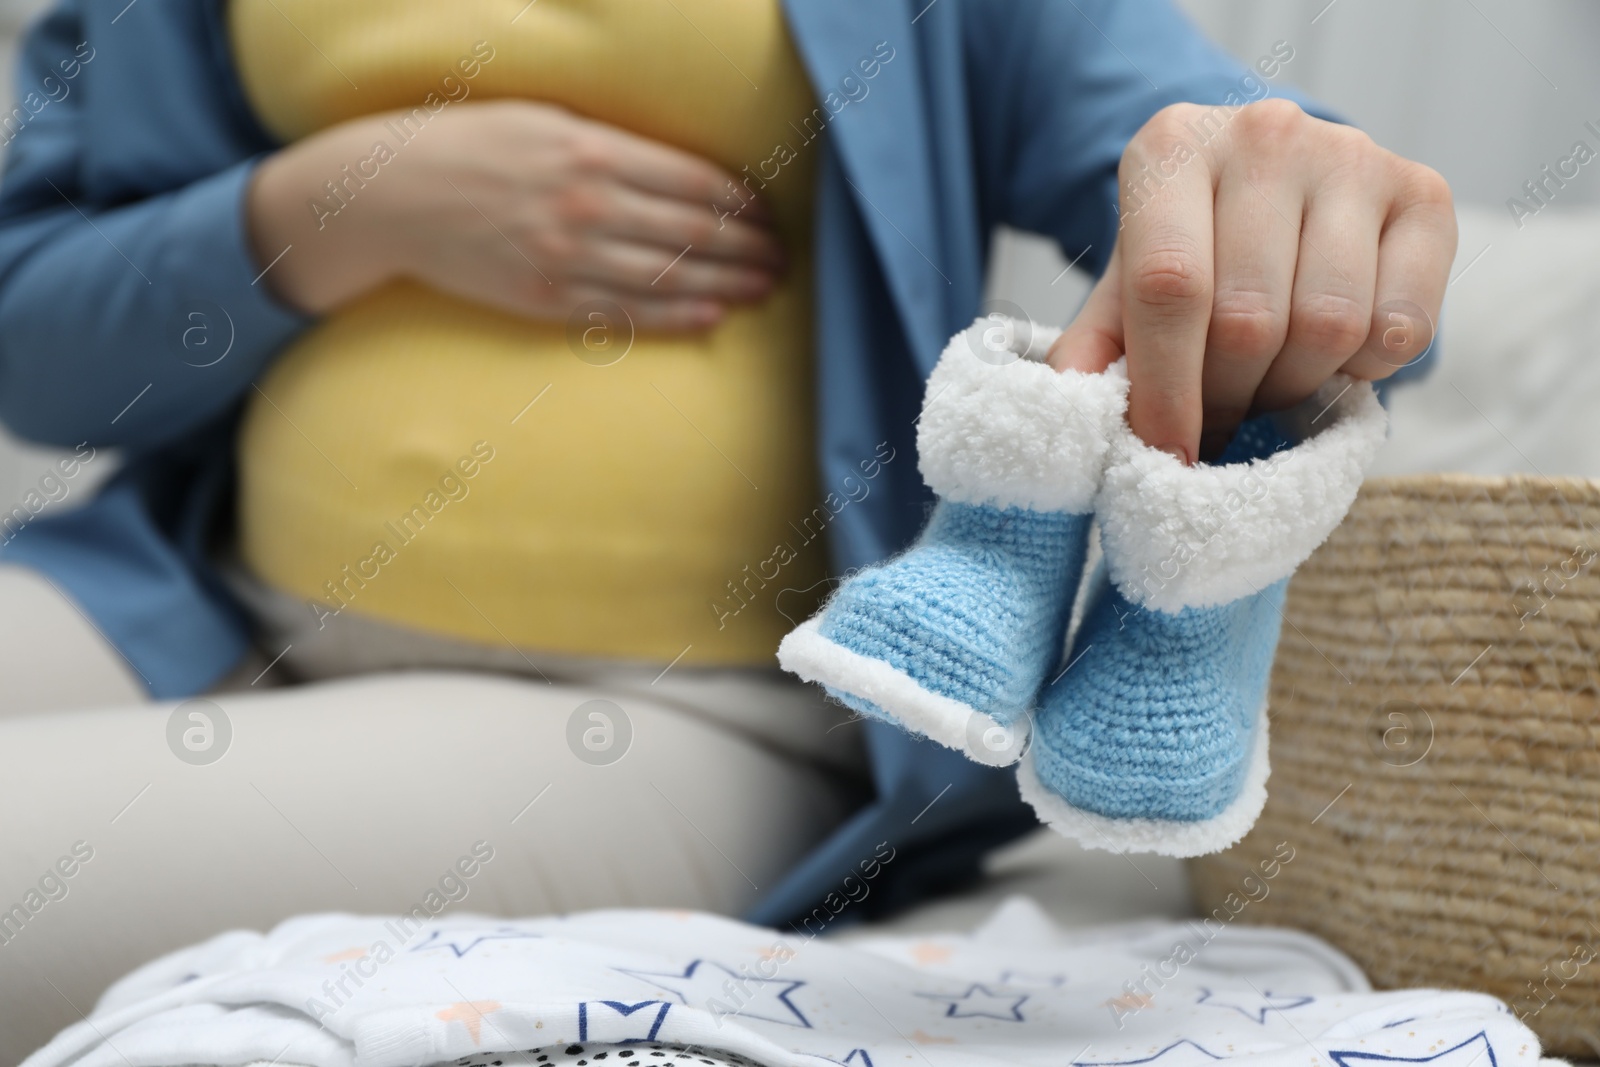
[518, 205]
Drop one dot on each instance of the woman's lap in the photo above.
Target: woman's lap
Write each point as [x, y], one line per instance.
[51, 655]
[364, 795]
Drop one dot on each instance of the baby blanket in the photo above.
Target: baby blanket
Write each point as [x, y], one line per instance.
[347, 991]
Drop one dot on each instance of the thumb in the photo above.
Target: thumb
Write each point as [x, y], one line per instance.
[1094, 340]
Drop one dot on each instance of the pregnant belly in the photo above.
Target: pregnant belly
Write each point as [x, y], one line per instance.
[420, 460]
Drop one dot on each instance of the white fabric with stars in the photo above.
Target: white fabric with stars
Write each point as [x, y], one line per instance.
[635, 988]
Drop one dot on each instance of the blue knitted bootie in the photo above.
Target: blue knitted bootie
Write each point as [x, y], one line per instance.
[952, 638]
[1155, 738]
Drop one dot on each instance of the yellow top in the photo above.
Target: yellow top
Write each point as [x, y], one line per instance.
[426, 461]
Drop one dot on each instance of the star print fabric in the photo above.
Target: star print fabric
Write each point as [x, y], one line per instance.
[637, 988]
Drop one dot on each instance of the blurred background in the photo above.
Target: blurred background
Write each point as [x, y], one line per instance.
[1486, 91]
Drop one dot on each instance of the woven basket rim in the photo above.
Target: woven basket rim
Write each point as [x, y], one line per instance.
[1408, 483]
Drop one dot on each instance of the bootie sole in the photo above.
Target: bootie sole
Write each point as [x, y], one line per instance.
[1167, 837]
[890, 693]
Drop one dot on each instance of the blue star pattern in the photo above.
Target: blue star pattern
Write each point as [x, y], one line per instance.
[645, 1024]
[457, 941]
[979, 1001]
[714, 988]
[621, 988]
[1252, 1005]
[1184, 1053]
[1473, 1050]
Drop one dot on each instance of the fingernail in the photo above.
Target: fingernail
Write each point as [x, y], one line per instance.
[1176, 451]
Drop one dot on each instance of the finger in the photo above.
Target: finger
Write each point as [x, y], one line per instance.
[676, 224]
[667, 171]
[1093, 341]
[1330, 312]
[650, 269]
[1256, 250]
[1414, 257]
[1167, 284]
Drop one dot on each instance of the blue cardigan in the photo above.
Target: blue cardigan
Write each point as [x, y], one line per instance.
[121, 228]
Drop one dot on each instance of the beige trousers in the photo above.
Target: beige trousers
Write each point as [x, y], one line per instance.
[250, 805]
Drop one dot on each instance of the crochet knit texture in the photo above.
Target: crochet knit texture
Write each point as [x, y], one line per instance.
[1154, 738]
[952, 638]
[976, 611]
[1155, 720]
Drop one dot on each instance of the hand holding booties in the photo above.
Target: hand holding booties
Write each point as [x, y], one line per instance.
[1154, 738]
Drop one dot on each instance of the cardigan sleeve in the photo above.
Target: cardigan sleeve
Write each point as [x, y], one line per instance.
[126, 318]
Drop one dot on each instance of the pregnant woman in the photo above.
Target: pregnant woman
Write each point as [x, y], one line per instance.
[562, 350]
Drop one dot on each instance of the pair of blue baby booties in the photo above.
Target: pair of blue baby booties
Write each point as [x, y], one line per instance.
[1149, 733]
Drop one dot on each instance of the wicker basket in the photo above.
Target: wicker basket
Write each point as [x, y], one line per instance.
[1436, 749]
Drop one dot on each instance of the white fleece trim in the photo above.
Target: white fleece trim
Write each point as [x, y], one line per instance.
[1178, 537]
[1016, 433]
[1167, 837]
[814, 658]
